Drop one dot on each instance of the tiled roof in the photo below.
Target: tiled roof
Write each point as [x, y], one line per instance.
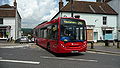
[7, 11]
[89, 7]
[6, 6]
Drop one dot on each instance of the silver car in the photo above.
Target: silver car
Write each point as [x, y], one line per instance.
[24, 39]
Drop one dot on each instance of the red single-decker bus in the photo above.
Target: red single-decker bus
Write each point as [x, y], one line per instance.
[62, 35]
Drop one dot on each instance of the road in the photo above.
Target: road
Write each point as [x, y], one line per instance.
[37, 57]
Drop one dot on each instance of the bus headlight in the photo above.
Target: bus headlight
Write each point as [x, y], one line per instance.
[62, 45]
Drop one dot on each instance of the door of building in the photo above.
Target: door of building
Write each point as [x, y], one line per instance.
[1, 33]
[95, 35]
[90, 34]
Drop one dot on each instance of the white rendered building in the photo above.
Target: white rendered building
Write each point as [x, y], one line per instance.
[10, 22]
[100, 18]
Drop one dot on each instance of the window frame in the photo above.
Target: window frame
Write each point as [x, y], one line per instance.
[1, 20]
[104, 20]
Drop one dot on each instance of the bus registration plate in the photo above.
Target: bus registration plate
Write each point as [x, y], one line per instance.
[74, 51]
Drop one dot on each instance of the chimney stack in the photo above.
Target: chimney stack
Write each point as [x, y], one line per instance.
[60, 4]
[15, 3]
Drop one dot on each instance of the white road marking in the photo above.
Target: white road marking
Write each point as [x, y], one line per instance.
[20, 46]
[18, 61]
[102, 53]
[71, 59]
[94, 52]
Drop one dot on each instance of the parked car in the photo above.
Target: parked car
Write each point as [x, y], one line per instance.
[24, 39]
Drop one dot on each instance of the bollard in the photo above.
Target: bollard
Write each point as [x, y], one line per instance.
[106, 43]
[118, 44]
[92, 45]
[113, 43]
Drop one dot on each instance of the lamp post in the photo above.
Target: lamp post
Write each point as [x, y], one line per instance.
[71, 2]
[71, 7]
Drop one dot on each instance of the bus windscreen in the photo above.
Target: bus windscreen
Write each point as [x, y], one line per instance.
[72, 30]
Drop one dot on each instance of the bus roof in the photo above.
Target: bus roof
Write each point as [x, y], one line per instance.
[46, 22]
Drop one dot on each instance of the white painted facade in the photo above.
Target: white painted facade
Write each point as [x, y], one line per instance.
[115, 4]
[97, 21]
[15, 24]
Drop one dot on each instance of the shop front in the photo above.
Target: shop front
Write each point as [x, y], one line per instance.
[5, 32]
[107, 33]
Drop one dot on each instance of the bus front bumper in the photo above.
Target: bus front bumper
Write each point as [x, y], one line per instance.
[71, 50]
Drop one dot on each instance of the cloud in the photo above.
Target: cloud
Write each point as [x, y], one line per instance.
[52, 14]
[33, 12]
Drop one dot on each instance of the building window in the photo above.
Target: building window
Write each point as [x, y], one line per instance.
[1, 21]
[104, 20]
[107, 34]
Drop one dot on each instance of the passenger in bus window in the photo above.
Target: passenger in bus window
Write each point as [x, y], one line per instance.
[54, 32]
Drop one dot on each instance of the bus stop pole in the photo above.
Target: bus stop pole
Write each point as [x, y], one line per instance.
[92, 45]
[118, 44]
[71, 1]
[106, 43]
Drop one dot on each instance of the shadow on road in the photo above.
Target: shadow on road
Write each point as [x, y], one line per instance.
[68, 54]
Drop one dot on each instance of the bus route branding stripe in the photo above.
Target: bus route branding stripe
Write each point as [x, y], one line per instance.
[71, 59]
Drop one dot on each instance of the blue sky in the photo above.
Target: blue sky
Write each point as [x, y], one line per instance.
[4, 1]
[33, 12]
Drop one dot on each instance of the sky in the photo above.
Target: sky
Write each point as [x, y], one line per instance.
[33, 12]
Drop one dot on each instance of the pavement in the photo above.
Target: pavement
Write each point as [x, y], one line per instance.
[2, 44]
[13, 45]
[98, 47]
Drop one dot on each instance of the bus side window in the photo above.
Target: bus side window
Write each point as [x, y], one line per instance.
[42, 33]
[45, 32]
[39, 33]
[54, 32]
[49, 32]
[35, 32]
